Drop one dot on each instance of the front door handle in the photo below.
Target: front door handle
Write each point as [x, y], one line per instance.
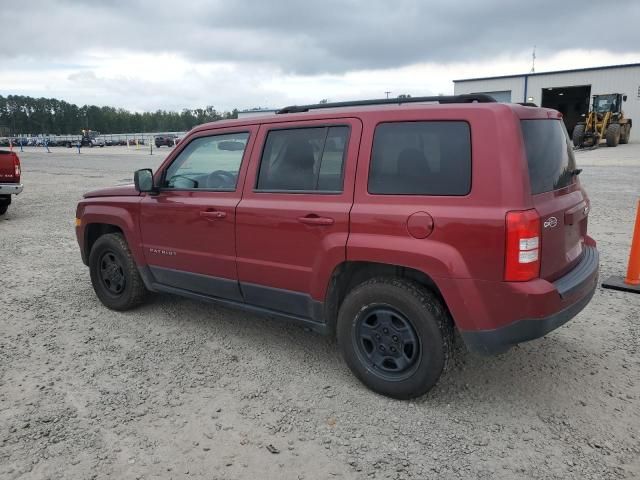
[316, 220]
[213, 214]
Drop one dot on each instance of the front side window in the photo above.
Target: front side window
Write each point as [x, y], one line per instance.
[209, 163]
[304, 159]
[421, 158]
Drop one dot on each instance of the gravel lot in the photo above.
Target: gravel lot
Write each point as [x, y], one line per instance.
[180, 389]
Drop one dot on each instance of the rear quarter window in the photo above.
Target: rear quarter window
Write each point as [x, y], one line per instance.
[421, 158]
[549, 155]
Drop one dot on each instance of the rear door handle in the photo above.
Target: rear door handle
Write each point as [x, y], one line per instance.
[213, 214]
[316, 220]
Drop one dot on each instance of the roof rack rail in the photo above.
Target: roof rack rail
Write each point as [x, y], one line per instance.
[467, 98]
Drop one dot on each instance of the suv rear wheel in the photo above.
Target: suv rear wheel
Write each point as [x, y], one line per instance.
[395, 336]
[114, 274]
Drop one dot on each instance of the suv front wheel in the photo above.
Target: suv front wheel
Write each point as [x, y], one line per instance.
[114, 275]
[395, 336]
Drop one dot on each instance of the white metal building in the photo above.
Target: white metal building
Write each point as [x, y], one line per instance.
[568, 91]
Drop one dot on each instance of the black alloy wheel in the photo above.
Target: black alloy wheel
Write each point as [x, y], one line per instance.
[112, 273]
[395, 336]
[387, 341]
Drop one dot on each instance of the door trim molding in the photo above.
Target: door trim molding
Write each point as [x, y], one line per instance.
[196, 282]
[275, 303]
[280, 300]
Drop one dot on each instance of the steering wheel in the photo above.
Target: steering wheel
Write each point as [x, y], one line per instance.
[171, 183]
[220, 179]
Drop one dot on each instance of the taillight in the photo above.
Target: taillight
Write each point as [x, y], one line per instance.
[16, 166]
[522, 255]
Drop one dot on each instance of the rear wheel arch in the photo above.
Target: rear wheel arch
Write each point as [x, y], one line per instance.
[348, 275]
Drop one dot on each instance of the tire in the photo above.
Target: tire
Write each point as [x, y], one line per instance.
[626, 133]
[5, 201]
[613, 135]
[578, 135]
[114, 274]
[407, 320]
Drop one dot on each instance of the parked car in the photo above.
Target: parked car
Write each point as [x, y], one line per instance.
[168, 140]
[97, 142]
[9, 178]
[389, 225]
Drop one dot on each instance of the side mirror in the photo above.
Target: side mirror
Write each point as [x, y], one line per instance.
[143, 180]
[624, 98]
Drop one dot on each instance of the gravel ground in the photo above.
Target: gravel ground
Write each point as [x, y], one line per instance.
[180, 389]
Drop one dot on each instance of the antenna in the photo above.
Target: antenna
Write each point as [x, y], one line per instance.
[533, 60]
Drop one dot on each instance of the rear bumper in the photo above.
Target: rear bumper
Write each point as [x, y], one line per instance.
[10, 188]
[525, 311]
[499, 340]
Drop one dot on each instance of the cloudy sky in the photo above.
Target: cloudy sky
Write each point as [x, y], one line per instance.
[151, 54]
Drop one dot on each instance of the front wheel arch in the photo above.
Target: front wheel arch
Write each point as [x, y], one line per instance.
[93, 231]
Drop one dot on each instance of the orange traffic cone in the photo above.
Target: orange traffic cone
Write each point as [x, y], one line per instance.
[631, 283]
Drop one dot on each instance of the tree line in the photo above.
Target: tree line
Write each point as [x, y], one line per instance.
[23, 115]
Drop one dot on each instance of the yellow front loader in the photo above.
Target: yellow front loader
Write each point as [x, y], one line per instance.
[605, 121]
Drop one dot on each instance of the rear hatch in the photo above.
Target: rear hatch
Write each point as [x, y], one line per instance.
[557, 195]
[8, 172]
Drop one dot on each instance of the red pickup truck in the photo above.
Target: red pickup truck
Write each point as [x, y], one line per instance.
[9, 178]
[388, 225]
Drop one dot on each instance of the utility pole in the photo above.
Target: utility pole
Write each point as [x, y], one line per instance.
[533, 60]
[387, 93]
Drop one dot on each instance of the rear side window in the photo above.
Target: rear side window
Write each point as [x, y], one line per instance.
[421, 158]
[304, 159]
[549, 155]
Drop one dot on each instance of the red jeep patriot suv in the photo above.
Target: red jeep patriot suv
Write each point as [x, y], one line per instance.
[387, 224]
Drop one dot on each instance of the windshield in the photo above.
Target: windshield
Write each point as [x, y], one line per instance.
[605, 103]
